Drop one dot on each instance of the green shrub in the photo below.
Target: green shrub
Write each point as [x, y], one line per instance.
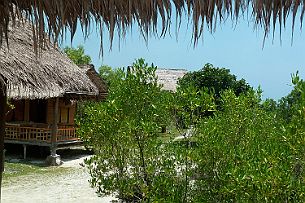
[130, 159]
[245, 154]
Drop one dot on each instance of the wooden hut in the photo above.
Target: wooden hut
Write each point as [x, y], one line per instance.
[43, 90]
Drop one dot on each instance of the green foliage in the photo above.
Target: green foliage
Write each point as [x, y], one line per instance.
[245, 154]
[77, 55]
[270, 105]
[107, 73]
[191, 105]
[130, 160]
[214, 79]
[296, 121]
[290, 105]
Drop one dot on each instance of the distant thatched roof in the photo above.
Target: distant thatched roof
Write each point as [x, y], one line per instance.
[118, 16]
[169, 78]
[50, 74]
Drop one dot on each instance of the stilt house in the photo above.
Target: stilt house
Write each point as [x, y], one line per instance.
[43, 90]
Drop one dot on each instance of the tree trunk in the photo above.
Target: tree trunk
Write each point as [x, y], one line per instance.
[3, 103]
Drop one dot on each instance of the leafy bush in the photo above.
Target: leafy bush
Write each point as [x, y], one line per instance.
[290, 105]
[191, 105]
[245, 154]
[130, 160]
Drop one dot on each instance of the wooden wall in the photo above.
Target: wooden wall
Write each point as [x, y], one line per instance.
[66, 111]
[21, 111]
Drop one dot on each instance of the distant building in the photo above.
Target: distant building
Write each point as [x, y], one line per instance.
[169, 78]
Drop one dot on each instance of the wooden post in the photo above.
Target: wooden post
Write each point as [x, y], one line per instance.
[3, 103]
[24, 152]
[54, 159]
[54, 127]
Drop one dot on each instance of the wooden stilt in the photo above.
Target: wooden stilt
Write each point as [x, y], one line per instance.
[54, 159]
[24, 151]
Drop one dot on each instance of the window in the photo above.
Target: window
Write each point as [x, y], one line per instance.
[64, 115]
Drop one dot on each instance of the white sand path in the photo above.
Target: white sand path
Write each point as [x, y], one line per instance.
[66, 187]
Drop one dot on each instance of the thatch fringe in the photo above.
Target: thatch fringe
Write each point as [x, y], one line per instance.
[56, 17]
[50, 74]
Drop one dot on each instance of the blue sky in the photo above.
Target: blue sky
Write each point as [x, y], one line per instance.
[237, 47]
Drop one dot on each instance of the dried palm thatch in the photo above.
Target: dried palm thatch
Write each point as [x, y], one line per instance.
[50, 74]
[97, 81]
[56, 17]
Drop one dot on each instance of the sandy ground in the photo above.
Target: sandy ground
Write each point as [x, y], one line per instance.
[71, 187]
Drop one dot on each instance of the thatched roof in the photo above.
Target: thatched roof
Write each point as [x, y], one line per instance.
[169, 78]
[97, 80]
[49, 74]
[118, 16]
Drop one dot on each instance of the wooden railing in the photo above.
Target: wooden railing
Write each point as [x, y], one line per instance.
[66, 134]
[20, 133]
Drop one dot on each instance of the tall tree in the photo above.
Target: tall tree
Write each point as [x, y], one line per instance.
[124, 134]
[107, 73]
[77, 55]
[214, 79]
